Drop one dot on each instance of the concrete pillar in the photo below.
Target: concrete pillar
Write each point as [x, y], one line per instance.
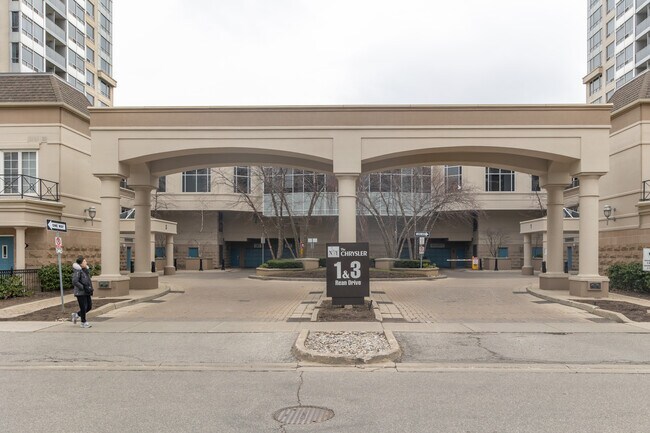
[110, 234]
[347, 187]
[554, 278]
[19, 263]
[527, 269]
[143, 278]
[110, 283]
[588, 282]
[169, 252]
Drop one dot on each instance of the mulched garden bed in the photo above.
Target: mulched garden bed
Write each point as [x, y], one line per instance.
[53, 314]
[35, 296]
[337, 313]
[637, 313]
[641, 295]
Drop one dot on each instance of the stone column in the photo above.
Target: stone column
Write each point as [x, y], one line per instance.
[143, 278]
[169, 252]
[110, 282]
[527, 269]
[588, 282]
[554, 278]
[347, 187]
[20, 248]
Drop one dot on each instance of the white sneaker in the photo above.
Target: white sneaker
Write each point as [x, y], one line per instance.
[75, 316]
[86, 325]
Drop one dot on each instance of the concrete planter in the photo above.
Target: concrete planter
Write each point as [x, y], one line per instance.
[384, 263]
[309, 263]
[272, 272]
[425, 272]
[504, 264]
[302, 353]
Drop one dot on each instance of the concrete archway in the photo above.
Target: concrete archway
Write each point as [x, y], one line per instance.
[554, 142]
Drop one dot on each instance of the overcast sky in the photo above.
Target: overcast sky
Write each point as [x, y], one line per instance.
[323, 52]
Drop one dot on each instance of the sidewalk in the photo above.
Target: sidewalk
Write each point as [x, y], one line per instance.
[134, 297]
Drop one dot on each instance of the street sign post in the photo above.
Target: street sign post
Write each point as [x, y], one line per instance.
[348, 273]
[423, 241]
[422, 234]
[58, 226]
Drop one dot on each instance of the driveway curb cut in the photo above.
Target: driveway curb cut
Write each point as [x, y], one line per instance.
[117, 305]
[611, 315]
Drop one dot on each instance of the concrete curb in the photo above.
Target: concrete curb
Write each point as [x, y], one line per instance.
[322, 280]
[117, 305]
[611, 315]
[303, 354]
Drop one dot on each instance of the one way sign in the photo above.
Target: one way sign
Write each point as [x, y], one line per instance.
[58, 226]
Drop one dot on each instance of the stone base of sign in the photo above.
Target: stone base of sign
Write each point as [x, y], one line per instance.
[303, 354]
[169, 270]
[527, 270]
[309, 263]
[110, 286]
[550, 281]
[143, 281]
[384, 263]
[589, 287]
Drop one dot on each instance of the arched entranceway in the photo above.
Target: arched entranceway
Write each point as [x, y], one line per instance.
[553, 142]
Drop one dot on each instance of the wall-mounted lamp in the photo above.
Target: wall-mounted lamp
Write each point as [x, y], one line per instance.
[92, 212]
[608, 211]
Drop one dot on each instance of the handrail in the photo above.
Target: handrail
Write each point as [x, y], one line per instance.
[645, 191]
[23, 186]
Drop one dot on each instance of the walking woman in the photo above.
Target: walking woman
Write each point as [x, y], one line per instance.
[83, 290]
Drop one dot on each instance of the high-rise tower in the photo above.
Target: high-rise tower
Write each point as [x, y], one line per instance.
[618, 45]
[71, 38]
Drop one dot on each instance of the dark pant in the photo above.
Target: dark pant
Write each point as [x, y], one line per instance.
[85, 305]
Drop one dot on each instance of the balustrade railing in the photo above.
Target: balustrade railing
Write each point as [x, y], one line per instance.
[21, 185]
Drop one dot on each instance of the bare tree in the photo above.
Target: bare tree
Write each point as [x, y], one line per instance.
[282, 200]
[403, 201]
[495, 239]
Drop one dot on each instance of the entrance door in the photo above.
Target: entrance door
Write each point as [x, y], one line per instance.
[129, 258]
[569, 258]
[6, 253]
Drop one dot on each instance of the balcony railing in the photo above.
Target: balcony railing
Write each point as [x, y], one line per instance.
[58, 5]
[642, 55]
[22, 186]
[55, 30]
[645, 191]
[55, 57]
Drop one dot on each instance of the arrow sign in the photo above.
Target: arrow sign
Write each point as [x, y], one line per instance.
[420, 234]
[58, 226]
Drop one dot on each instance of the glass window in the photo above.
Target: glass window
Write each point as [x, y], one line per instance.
[594, 41]
[36, 5]
[611, 25]
[595, 18]
[33, 30]
[91, 99]
[623, 6]
[594, 62]
[107, 4]
[624, 79]
[105, 66]
[534, 183]
[594, 85]
[15, 21]
[90, 32]
[538, 252]
[453, 177]
[611, 50]
[90, 78]
[196, 180]
[15, 52]
[32, 59]
[76, 35]
[242, 181]
[19, 175]
[78, 11]
[610, 75]
[193, 252]
[625, 56]
[105, 23]
[162, 184]
[624, 30]
[610, 5]
[104, 88]
[76, 61]
[503, 253]
[105, 45]
[90, 9]
[497, 179]
[609, 95]
[90, 55]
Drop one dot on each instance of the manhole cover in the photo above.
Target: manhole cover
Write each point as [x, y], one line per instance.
[303, 415]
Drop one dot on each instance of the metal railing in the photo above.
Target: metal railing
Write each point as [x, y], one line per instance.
[645, 190]
[28, 276]
[54, 29]
[59, 6]
[22, 186]
[55, 57]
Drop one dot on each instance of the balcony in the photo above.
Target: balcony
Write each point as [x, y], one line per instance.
[55, 57]
[23, 186]
[58, 6]
[642, 55]
[57, 31]
[641, 4]
[642, 28]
